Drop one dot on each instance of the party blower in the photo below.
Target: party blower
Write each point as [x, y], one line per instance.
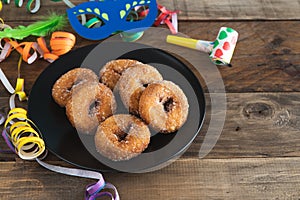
[220, 51]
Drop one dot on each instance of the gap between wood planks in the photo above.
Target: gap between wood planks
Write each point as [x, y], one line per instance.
[204, 10]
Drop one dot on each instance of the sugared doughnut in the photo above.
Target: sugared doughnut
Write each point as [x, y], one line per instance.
[62, 89]
[122, 137]
[133, 82]
[90, 104]
[164, 106]
[111, 72]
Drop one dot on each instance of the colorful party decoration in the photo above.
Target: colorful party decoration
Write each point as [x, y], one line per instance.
[23, 137]
[60, 43]
[41, 28]
[167, 17]
[32, 6]
[220, 51]
[92, 191]
[20, 133]
[113, 15]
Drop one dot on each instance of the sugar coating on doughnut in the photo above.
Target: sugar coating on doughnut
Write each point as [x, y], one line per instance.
[89, 105]
[164, 106]
[62, 88]
[111, 71]
[182, 98]
[133, 82]
[122, 137]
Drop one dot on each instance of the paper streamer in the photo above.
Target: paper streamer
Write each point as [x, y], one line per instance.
[32, 6]
[23, 134]
[60, 43]
[220, 51]
[23, 137]
[2, 118]
[20, 132]
[93, 191]
[167, 17]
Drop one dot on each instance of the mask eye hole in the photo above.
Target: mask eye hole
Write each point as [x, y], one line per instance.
[92, 21]
[137, 13]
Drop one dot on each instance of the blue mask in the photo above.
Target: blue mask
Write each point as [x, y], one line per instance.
[114, 14]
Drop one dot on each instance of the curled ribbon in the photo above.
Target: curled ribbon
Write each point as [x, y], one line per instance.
[93, 191]
[60, 43]
[24, 138]
[32, 6]
[167, 17]
[20, 133]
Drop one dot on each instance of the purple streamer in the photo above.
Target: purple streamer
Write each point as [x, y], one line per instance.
[93, 191]
[95, 188]
[101, 194]
[7, 140]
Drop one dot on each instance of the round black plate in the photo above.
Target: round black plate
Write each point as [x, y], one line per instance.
[63, 140]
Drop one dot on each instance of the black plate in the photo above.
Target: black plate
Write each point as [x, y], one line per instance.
[62, 139]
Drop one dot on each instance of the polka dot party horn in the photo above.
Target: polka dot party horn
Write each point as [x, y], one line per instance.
[220, 51]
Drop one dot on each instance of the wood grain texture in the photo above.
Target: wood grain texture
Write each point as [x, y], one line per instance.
[256, 125]
[257, 155]
[234, 9]
[266, 58]
[189, 9]
[255, 179]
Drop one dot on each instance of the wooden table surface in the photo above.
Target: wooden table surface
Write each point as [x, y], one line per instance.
[258, 153]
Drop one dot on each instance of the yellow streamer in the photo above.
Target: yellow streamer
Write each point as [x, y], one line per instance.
[24, 134]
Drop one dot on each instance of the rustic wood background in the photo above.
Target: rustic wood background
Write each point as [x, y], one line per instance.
[258, 153]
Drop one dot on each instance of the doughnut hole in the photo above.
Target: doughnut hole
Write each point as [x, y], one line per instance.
[94, 107]
[168, 104]
[121, 136]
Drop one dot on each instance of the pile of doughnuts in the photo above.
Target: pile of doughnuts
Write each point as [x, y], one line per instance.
[91, 105]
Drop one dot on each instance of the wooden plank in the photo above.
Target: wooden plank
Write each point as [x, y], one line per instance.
[255, 179]
[256, 125]
[265, 59]
[190, 10]
[235, 9]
